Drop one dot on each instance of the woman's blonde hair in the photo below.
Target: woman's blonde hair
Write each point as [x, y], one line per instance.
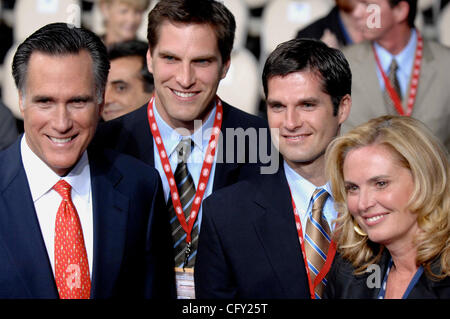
[417, 150]
[141, 5]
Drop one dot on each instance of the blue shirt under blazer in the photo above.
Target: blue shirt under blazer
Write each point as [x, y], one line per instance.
[128, 219]
[249, 246]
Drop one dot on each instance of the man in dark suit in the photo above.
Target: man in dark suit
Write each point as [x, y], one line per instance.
[256, 235]
[75, 221]
[337, 29]
[190, 42]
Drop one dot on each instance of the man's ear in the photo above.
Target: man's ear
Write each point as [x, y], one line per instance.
[344, 108]
[149, 61]
[21, 102]
[101, 106]
[225, 68]
[401, 11]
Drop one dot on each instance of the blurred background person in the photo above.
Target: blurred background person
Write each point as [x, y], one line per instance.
[390, 182]
[397, 71]
[130, 84]
[337, 29]
[8, 128]
[122, 19]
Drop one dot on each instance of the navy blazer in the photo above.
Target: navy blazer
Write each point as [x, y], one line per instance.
[128, 219]
[332, 22]
[343, 284]
[248, 246]
[130, 134]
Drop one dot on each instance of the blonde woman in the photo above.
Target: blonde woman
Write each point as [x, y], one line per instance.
[390, 181]
[122, 19]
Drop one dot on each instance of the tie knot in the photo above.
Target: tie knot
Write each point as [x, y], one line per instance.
[63, 188]
[184, 149]
[319, 197]
[393, 67]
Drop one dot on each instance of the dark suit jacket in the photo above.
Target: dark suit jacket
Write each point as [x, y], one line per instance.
[332, 22]
[8, 127]
[128, 219]
[130, 134]
[248, 246]
[343, 284]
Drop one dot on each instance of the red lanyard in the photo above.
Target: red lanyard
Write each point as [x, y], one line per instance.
[414, 80]
[205, 172]
[330, 256]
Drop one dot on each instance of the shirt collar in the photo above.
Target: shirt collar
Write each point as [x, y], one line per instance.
[41, 178]
[404, 58]
[171, 137]
[301, 189]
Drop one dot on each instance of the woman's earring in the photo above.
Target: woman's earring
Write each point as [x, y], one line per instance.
[358, 229]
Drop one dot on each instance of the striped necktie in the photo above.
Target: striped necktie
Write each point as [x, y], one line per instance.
[186, 191]
[392, 76]
[317, 239]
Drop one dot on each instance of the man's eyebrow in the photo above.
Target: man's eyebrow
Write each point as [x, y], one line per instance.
[82, 98]
[41, 98]
[301, 101]
[118, 82]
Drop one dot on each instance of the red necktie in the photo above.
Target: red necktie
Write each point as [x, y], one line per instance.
[71, 263]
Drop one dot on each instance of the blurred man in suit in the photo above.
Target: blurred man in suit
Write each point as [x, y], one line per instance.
[337, 29]
[396, 71]
[130, 84]
[269, 237]
[75, 221]
[184, 130]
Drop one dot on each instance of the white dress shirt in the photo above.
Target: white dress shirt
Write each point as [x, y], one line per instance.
[171, 138]
[302, 191]
[41, 180]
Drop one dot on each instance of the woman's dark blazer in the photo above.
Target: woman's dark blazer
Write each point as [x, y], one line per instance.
[343, 284]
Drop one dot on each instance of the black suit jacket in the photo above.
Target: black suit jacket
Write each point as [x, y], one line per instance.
[343, 284]
[128, 220]
[248, 246]
[130, 134]
[8, 127]
[331, 21]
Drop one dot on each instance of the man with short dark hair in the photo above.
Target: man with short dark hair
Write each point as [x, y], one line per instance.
[130, 84]
[184, 130]
[396, 71]
[76, 222]
[269, 236]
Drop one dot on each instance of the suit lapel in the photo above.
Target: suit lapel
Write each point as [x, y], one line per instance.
[145, 143]
[427, 72]
[20, 231]
[370, 80]
[110, 209]
[277, 233]
[225, 173]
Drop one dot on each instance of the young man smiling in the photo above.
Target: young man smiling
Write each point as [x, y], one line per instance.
[257, 235]
[190, 43]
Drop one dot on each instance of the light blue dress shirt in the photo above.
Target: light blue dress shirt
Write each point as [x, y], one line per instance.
[405, 60]
[171, 138]
[302, 191]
